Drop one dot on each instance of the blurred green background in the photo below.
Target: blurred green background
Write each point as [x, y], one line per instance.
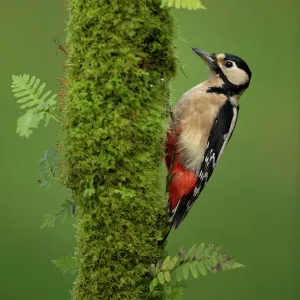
[249, 206]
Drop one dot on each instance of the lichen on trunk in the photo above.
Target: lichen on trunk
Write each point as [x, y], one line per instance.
[121, 59]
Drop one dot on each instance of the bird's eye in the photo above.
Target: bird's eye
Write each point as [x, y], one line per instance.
[228, 64]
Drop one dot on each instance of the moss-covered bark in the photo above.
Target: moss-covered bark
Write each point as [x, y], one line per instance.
[121, 58]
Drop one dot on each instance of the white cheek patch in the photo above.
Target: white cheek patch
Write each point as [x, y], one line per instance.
[236, 76]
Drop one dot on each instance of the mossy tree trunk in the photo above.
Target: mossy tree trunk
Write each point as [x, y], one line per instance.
[121, 59]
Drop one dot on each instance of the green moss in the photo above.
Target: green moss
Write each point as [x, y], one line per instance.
[121, 59]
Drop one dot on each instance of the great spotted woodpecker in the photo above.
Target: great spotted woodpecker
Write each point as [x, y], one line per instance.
[200, 127]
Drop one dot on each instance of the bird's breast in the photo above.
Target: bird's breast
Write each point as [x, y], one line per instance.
[195, 114]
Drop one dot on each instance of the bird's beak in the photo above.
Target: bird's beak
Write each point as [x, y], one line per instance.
[209, 58]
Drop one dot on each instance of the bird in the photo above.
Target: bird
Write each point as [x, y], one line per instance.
[200, 126]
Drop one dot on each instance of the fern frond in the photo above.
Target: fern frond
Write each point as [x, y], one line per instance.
[49, 219]
[28, 121]
[174, 293]
[189, 4]
[66, 265]
[48, 167]
[29, 92]
[69, 204]
[68, 208]
[198, 260]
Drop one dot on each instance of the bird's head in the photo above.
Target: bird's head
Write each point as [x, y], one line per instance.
[231, 69]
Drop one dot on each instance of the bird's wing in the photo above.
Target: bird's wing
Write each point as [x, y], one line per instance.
[220, 135]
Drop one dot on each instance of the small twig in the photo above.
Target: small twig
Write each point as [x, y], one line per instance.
[182, 69]
[60, 46]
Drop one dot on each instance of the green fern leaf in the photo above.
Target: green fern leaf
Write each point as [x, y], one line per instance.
[199, 250]
[173, 262]
[201, 268]
[49, 219]
[160, 277]
[193, 269]
[209, 265]
[167, 276]
[28, 91]
[170, 3]
[189, 4]
[48, 167]
[30, 120]
[175, 293]
[164, 3]
[178, 3]
[185, 270]
[66, 265]
[67, 210]
[48, 118]
[191, 251]
[67, 206]
[237, 265]
[199, 259]
[207, 251]
[153, 284]
[69, 203]
[179, 275]
[165, 263]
